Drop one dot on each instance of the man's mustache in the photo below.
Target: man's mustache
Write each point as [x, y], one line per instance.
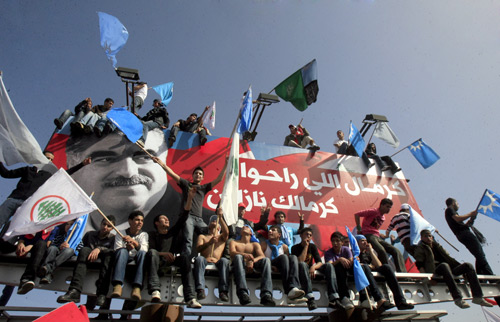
[134, 180]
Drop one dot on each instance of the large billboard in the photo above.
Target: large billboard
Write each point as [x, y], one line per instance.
[327, 188]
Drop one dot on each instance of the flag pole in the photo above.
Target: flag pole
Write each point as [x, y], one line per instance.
[447, 241]
[406, 147]
[484, 193]
[74, 227]
[150, 155]
[109, 222]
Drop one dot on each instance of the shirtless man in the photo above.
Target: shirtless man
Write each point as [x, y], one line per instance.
[211, 248]
[247, 255]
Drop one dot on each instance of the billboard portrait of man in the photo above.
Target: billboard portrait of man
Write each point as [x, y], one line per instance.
[122, 176]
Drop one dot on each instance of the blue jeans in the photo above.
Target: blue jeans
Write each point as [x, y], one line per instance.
[193, 224]
[305, 280]
[54, 257]
[288, 267]
[263, 266]
[200, 263]
[8, 208]
[331, 281]
[154, 261]
[121, 260]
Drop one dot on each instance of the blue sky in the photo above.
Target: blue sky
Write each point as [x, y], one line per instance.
[431, 67]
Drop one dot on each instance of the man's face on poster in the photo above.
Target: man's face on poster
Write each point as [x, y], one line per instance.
[121, 175]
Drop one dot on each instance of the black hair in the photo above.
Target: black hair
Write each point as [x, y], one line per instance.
[386, 201]
[134, 214]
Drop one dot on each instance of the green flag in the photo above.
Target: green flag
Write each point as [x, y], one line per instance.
[300, 88]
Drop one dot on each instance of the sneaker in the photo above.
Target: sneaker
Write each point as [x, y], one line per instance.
[311, 305]
[194, 304]
[295, 293]
[156, 297]
[101, 299]
[47, 279]
[267, 300]
[223, 297]
[300, 300]
[97, 131]
[71, 296]
[200, 295]
[405, 306]
[346, 303]
[136, 294]
[366, 304]
[481, 301]
[462, 304]
[42, 271]
[335, 304]
[244, 298]
[87, 129]
[117, 291]
[203, 141]
[25, 287]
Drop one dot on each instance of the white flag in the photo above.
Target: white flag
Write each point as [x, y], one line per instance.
[59, 199]
[385, 133]
[17, 144]
[229, 198]
[490, 316]
[209, 117]
[417, 224]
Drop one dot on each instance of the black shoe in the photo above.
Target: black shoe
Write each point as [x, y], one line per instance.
[42, 271]
[47, 279]
[25, 287]
[244, 298]
[405, 306]
[267, 300]
[171, 141]
[311, 305]
[97, 132]
[387, 305]
[223, 297]
[87, 129]
[70, 296]
[58, 123]
[101, 299]
[107, 128]
[203, 141]
[200, 294]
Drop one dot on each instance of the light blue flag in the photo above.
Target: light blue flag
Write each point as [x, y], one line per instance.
[166, 91]
[359, 275]
[356, 140]
[417, 224]
[127, 122]
[246, 112]
[79, 227]
[490, 205]
[114, 35]
[424, 154]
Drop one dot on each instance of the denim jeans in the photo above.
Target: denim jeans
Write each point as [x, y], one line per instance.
[466, 269]
[200, 263]
[305, 280]
[288, 267]
[390, 278]
[331, 281]
[373, 288]
[263, 266]
[154, 261]
[121, 260]
[8, 208]
[55, 257]
[36, 256]
[80, 270]
[193, 224]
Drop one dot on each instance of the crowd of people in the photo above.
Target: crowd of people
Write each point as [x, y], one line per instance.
[246, 247]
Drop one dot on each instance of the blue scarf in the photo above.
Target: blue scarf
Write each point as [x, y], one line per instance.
[275, 249]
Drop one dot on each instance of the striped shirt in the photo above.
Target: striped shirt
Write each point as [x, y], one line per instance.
[400, 222]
